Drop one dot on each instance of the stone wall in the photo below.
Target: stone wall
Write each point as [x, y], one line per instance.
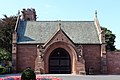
[92, 56]
[113, 62]
[26, 55]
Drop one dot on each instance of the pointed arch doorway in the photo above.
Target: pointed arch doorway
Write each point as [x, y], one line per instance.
[59, 62]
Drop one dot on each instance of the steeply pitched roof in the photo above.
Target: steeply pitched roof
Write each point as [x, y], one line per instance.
[80, 32]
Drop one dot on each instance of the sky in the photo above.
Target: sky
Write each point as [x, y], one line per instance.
[108, 11]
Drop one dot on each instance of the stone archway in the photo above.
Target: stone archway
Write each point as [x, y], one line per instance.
[59, 62]
[69, 48]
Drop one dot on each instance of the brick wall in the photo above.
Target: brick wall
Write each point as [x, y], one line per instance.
[92, 56]
[113, 62]
[27, 55]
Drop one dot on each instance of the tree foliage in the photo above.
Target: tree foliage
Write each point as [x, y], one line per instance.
[7, 25]
[109, 39]
[5, 55]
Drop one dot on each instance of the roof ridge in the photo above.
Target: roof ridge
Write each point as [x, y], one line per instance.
[60, 21]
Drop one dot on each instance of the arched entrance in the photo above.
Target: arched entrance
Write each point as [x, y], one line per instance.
[59, 62]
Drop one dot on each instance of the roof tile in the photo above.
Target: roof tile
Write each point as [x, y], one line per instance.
[80, 32]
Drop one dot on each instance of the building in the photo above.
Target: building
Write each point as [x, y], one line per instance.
[62, 47]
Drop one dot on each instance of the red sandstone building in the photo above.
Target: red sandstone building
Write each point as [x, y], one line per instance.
[58, 47]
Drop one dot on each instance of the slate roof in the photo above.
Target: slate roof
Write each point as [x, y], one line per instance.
[80, 32]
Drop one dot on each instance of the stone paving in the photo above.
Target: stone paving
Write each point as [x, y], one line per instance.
[76, 77]
[86, 77]
[111, 77]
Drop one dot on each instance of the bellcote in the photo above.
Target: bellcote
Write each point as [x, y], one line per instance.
[29, 14]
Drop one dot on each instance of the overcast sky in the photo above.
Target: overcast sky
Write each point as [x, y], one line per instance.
[108, 11]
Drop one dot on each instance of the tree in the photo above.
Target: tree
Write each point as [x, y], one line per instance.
[109, 39]
[7, 25]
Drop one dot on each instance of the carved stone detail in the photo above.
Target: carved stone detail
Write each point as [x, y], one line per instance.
[39, 59]
[79, 51]
[81, 61]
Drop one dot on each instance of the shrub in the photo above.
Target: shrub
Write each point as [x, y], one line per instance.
[8, 69]
[28, 74]
[2, 70]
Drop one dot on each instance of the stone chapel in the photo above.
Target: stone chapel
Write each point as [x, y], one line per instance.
[57, 47]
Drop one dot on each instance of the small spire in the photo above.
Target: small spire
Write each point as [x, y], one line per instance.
[95, 13]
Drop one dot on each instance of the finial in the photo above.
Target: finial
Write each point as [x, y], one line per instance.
[59, 25]
[95, 13]
[18, 12]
